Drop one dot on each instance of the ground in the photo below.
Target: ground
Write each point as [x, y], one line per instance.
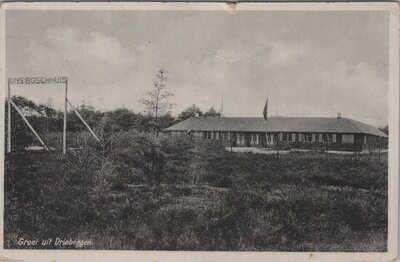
[300, 201]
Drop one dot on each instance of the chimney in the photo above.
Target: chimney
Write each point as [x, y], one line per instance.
[339, 115]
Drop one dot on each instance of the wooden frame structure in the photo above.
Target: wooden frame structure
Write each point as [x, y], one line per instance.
[41, 80]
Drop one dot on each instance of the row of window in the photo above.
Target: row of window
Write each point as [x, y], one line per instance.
[255, 138]
[307, 137]
[216, 135]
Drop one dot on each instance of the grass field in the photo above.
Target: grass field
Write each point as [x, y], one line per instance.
[294, 202]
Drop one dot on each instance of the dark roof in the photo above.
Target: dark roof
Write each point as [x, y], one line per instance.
[276, 124]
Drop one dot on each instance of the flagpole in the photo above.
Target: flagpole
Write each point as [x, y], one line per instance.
[266, 128]
[265, 114]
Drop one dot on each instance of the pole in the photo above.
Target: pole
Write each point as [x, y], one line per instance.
[222, 105]
[65, 120]
[277, 144]
[8, 117]
[81, 118]
[326, 151]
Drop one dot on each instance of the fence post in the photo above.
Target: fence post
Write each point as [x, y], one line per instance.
[326, 151]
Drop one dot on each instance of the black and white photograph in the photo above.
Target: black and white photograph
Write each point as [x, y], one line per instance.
[236, 128]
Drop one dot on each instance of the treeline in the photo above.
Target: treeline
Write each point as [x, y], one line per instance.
[48, 121]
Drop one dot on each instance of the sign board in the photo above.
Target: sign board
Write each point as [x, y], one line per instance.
[38, 80]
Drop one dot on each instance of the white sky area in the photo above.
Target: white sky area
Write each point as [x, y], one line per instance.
[307, 63]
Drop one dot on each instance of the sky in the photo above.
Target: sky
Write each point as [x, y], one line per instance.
[308, 63]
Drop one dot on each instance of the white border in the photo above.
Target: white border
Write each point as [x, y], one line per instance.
[91, 255]
[221, 6]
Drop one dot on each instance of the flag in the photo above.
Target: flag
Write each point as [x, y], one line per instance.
[265, 111]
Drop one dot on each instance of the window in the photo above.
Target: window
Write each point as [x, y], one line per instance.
[242, 138]
[209, 135]
[224, 135]
[327, 138]
[285, 137]
[307, 137]
[254, 138]
[239, 138]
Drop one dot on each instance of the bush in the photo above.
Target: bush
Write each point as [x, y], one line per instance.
[247, 202]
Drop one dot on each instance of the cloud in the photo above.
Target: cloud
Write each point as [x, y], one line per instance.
[300, 76]
[284, 53]
[96, 63]
[106, 49]
[233, 55]
[356, 89]
[64, 49]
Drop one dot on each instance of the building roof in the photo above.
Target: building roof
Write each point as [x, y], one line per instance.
[277, 124]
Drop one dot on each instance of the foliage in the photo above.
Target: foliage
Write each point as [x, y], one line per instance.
[189, 112]
[92, 159]
[212, 113]
[385, 129]
[134, 190]
[48, 122]
[157, 103]
[21, 136]
[149, 158]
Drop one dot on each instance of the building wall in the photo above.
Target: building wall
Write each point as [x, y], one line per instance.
[330, 141]
[347, 139]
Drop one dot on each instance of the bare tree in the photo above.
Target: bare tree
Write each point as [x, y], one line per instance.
[156, 102]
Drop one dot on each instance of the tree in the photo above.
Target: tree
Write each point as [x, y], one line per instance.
[22, 102]
[212, 112]
[121, 119]
[189, 112]
[157, 107]
[48, 113]
[385, 129]
[20, 133]
[156, 103]
[89, 113]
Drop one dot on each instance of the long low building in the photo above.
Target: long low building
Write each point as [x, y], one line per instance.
[337, 133]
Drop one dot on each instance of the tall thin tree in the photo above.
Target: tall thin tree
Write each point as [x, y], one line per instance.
[157, 99]
[157, 105]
